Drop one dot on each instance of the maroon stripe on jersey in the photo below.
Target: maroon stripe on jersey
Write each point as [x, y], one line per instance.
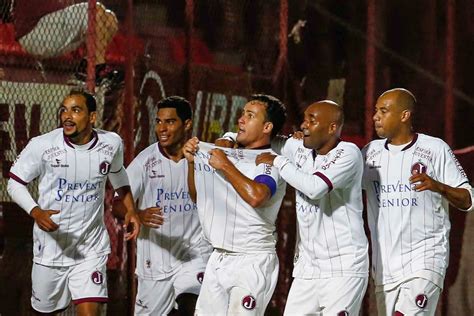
[96, 139]
[162, 151]
[413, 141]
[325, 179]
[397, 313]
[16, 178]
[68, 141]
[91, 299]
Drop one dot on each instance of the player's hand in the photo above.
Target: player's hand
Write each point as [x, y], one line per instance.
[266, 158]
[151, 217]
[422, 182]
[43, 219]
[298, 135]
[218, 159]
[131, 225]
[190, 148]
[225, 142]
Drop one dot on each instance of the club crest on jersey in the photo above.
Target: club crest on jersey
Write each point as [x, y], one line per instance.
[104, 167]
[421, 300]
[97, 277]
[418, 168]
[200, 277]
[343, 313]
[249, 302]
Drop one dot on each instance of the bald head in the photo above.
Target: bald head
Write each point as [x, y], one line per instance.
[322, 126]
[401, 98]
[330, 111]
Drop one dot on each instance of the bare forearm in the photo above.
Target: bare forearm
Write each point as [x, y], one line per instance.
[458, 197]
[191, 183]
[126, 203]
[252, 192]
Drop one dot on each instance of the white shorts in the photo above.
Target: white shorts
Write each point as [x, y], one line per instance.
[332, 296]
[413, 297]
[237, 284]
[157, 297]
[57, 33]
[54, 287]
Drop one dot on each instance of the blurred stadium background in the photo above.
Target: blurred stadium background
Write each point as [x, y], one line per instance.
[216, 53]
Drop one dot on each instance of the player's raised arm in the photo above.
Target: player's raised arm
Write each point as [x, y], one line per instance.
[253, 192]
[189, 149]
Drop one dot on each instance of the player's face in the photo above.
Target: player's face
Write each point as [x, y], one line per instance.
[387, 117]
[315, 128]
[76, 120]
[253, 128]
[170, 129]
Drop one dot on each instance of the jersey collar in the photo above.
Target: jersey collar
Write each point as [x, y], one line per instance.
[93, 142]
[413, 141]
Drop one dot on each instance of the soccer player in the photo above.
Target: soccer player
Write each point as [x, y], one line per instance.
[409, 179]
[171, 255]
[331, 259]
[70, 239]
[238, 203]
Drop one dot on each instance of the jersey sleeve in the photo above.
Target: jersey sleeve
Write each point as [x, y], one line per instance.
[364, 155]
[268, 175]
[118, 176]
[28, 164]
[289, 147]
[135, 177]
[117, 162]
[337, 173]
[450, 170]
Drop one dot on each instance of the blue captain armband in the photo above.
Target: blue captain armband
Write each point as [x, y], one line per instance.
[268, 181]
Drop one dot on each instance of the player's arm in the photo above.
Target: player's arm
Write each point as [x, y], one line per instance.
[130, 214]
[447, 179]
[21, 196]
[189, 150]
[337, 174]
[254, 191]
[26, 168]
[460, 197]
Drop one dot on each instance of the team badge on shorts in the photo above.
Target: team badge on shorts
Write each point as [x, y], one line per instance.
[200, 277]
[343, 313]
[418, 168]
[104, 167]
[249, 302]
[421, 300]
[97, 277]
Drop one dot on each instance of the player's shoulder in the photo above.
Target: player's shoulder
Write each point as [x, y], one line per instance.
[150, 151]
[374, 145]
[348, 148]
[108, 136]
[48, 138]
[428, 140]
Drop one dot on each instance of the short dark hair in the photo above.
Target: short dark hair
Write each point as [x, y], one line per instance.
[182, 106]
[275, 111]
[90, 99]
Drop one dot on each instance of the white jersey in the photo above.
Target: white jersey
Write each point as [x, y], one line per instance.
[229, 222]
[409, 229]
[72, 180]
[159, 181]
[331, 239]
